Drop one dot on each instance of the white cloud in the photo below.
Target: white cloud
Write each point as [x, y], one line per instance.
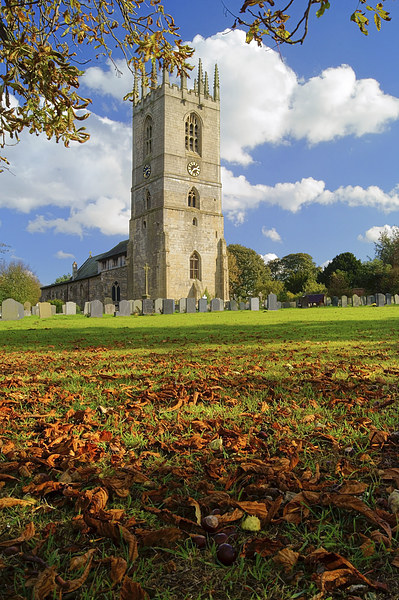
[272, 234]
[269, 256]
[61, 254]
[372, 235]
[90, 181]
[116, 80]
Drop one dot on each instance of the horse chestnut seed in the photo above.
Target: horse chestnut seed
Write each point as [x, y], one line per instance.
[199, 541]
[210, 523]
[220, 538]
[226, 554]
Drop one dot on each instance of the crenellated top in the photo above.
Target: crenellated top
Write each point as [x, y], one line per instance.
[200, 89]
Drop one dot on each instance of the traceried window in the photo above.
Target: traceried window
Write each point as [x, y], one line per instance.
[195, 266]
[148, 136]
[193, 133]
[193, 198]
[116, 292]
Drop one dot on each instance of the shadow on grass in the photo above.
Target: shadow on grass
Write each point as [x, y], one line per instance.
[163, 335]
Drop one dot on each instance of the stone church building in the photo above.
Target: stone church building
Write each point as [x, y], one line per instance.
[176, 245]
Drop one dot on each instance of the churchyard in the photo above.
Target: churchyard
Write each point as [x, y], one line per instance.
[137, 445]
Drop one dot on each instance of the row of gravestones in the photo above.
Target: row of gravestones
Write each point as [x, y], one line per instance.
[355, 300]
[11, 310]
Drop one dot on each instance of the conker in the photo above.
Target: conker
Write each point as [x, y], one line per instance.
[210, 523]
[11, 550]
[199, 541]
[226, 554]
[216, 511]
[220, 538]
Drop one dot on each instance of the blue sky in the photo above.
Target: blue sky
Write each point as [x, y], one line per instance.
[309, 148]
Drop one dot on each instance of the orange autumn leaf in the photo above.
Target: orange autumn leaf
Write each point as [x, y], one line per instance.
[131, 590]
[74, 584]
[10, 502]
[27, 535]
[287, 558]
[45, 584]
[118, 569]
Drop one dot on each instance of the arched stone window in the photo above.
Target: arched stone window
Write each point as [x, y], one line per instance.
[148, 136]
[116, 292]
[195, 221]
[147, 200]
[193, 198]
[193, 133]
[195, 266]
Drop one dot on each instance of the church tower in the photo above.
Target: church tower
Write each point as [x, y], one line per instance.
[176, 241]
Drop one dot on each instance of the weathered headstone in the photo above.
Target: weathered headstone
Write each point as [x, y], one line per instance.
[63, 308]
[168, 306]
[355, 300]
[254, 304]
[125, 308]
[158, 305]
[272, 302]
[96, 309]
[11, 310]
[217, 305]
[35, 310]
[335, 301]
[53, 310]
[108, 300]
[148, 306]
[344, 301]
[109, 309]
[380, 299]
[278, 305]
[388, 298]
[370, 300]
[182, 305]
[137, 307]
[202, 305]
[70, 308]
[86, 310]
[328, 301]
[191, 305]
[27, 309]
[45, 310]
[396, 298]
[233, 305]
[243, 306]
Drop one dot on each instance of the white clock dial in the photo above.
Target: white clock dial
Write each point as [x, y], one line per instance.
[193, 168]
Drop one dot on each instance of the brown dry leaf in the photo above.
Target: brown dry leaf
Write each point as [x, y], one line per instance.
[273, 509]
[395, 561]
[230, 517]
[74, 584]
[9, 502]
[329, 580]
[338, 565]
[77, 562]
[263, 546]
[353, 487]
[163, 538]
[257, 509]
[45, 584]
[287, 558]
[197, 509]
[351, 502]
[131, 590]
[118, 569]
[27, 534]
[296, 510]
[115, 531]
[368, 548]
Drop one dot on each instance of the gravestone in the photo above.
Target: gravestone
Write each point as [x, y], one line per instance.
[86, 310]
[108, 300]
[168, 306]
[27, 309]
[11, 310]
[35, 310]
[344, 301]
[137, 307]
[202, 305]
[125, 308]
[370, 300]
[158, 305]
[217, 305]
[388, 298]
[53, 310]
[191, 305]
[355, 300]
[272, 302]
[63, 308]
[233, 305]
[182, 305]
[254, 304]
[278, 305]
[45, 310]
[96, 309]
[148, 306]
[364, 300]
[243, 306]
[328, 301]
[396, 298]
[70, 308]
[109, 309]
[380, 299]
[335, 301]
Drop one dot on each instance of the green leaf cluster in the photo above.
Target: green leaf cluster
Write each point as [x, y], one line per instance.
[18, 282]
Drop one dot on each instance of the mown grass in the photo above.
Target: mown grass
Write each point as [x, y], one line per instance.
[299, 399]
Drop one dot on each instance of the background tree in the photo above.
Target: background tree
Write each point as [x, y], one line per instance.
[251, 276]
[347, 263]
[281, 20]
[19, 283]
[339, 284]
[375, 276]
[387, 247]
[39, 45]
[297, 272]
[62, 278]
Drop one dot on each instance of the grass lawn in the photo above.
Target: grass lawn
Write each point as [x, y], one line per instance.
[118, 436]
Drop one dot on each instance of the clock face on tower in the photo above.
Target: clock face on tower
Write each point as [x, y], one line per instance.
[146, 171]
[193, 168]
